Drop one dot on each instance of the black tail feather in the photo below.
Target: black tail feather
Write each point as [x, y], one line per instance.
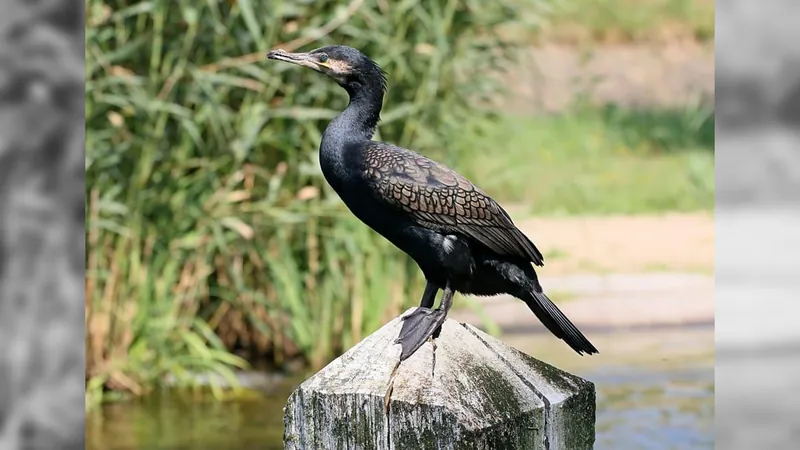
[558, 324]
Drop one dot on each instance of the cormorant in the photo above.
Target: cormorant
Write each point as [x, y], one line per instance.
[461, 238]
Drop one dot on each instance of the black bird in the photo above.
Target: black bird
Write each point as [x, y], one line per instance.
[461, 238]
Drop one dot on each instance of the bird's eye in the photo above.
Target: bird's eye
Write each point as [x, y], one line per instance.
[323, 57]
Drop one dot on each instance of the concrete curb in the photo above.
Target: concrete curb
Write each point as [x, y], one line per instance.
[611, 301]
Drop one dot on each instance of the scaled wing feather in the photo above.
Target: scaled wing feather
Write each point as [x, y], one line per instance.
[437, 197]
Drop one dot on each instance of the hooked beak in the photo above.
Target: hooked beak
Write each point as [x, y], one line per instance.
[301, 59]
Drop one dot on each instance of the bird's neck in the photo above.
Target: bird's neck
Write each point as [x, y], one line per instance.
[358, 121]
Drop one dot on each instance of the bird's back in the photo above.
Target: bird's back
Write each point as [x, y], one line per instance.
[435, 196]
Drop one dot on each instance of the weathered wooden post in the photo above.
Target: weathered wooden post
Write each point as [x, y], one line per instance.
[466, 390]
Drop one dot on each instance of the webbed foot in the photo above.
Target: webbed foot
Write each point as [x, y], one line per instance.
[418, 326]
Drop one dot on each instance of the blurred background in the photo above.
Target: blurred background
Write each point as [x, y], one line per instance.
[221, 270]
[41, 225]
[758, 248]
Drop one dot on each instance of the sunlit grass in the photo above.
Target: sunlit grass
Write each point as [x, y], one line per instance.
[595, 161]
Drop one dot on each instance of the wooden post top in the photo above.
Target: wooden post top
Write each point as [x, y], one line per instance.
[465, 390]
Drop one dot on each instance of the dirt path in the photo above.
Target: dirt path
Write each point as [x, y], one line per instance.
[665, 74]
[672, 242]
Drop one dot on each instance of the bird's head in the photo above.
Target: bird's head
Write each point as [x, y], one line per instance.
[349, 67]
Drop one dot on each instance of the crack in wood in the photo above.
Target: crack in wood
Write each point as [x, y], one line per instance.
[537, 392]
[433, 356]
[387, 399]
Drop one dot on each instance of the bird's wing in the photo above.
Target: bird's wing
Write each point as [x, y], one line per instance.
[437, 197]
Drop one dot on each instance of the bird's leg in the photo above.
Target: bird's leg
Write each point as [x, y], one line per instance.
[422, 324]
[447, 302]
[429, 296]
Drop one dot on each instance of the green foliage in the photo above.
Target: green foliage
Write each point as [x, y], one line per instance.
[596, 160]
[209, 227]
